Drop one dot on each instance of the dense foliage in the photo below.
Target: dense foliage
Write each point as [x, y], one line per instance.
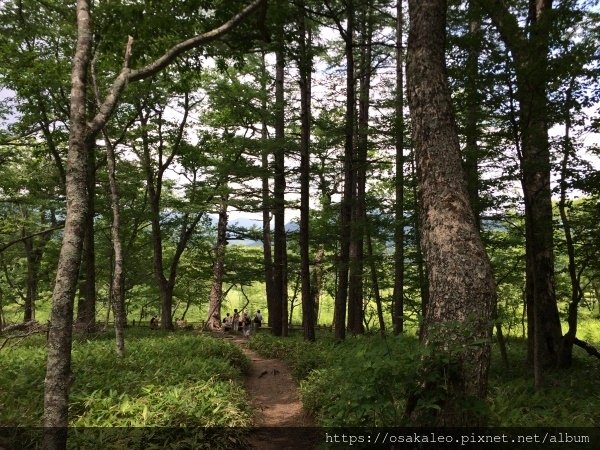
[364, 381]
[166, 380]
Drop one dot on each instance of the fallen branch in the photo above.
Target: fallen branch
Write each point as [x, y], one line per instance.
[36, 330]
[590, 349]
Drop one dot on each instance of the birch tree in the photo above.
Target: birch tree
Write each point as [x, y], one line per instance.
[82, 134]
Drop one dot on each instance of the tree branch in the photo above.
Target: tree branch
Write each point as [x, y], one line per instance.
[507, 25]
[16, 241]
[194, 42]
[590, 349]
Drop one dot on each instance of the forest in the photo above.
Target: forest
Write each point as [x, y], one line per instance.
[409, 192]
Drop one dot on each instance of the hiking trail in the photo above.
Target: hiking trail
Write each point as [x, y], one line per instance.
[279, 419]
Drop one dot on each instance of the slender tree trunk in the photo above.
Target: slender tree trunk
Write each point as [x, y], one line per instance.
[216, 292]
[154, 188]
[81, 137]
[118, 277]
[1, 310]
[266, 202]
[32, 281]
[398, 294]
[529, 49]
[280, 323]
[58, 364]
[34, 253]
[421, 269]
[86, 307]
[566, 351]
[472, 150]
[462, 288]
[355, 294]
[341, 298]
[295, 289]
[305, 69]
[317, 281]
[375, 283]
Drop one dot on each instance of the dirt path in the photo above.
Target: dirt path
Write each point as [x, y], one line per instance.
[280, 420]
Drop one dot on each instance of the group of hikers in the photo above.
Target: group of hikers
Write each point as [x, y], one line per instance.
[242, 323]
[233, 322]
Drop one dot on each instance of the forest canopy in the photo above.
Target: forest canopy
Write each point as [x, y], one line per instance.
[423, 167]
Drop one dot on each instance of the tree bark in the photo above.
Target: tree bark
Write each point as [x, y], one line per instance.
[398, 293]
[280, 322]
[421, 269]
[462, 289]
[357, 256]
[216, 292]
[473, 104]
[266, 202]
[341, 298]
[86, 306]
[375, 283]
[34, 252]
[58, 363]
[566, 351]
[118, 278]
[81, 136]
[305, 69]
[529, 49]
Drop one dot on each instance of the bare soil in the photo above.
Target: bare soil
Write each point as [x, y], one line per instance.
[280, 420]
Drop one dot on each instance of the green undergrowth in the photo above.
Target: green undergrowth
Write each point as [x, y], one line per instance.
[179, 379]
[363, 381]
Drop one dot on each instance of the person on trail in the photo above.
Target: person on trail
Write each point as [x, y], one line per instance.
[227, 322]
[236, 320]
[258, 319]
[246, 324]
[154, 322]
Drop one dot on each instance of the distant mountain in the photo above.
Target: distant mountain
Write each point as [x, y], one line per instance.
[248, 223]
[292, 227]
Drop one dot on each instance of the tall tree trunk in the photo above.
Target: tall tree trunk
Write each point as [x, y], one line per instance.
[566, 351]
[266, 202]
[33, 265]
[81, 137]
[216, 292]
[58, 364]
[398, 294]
[462, 289]
[317, 281]
[34, 253]
[529, 49]
[341, 298]
[472, 152]
[280, 323]
[473, 104]
[421, 269]
[305, 69]
[154, 183]
[375, 282]
[118, 276]
[355, 294]
[154, 188]
[86, 306]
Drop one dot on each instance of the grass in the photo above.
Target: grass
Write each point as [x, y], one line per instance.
[165, 380]
[363, 381]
